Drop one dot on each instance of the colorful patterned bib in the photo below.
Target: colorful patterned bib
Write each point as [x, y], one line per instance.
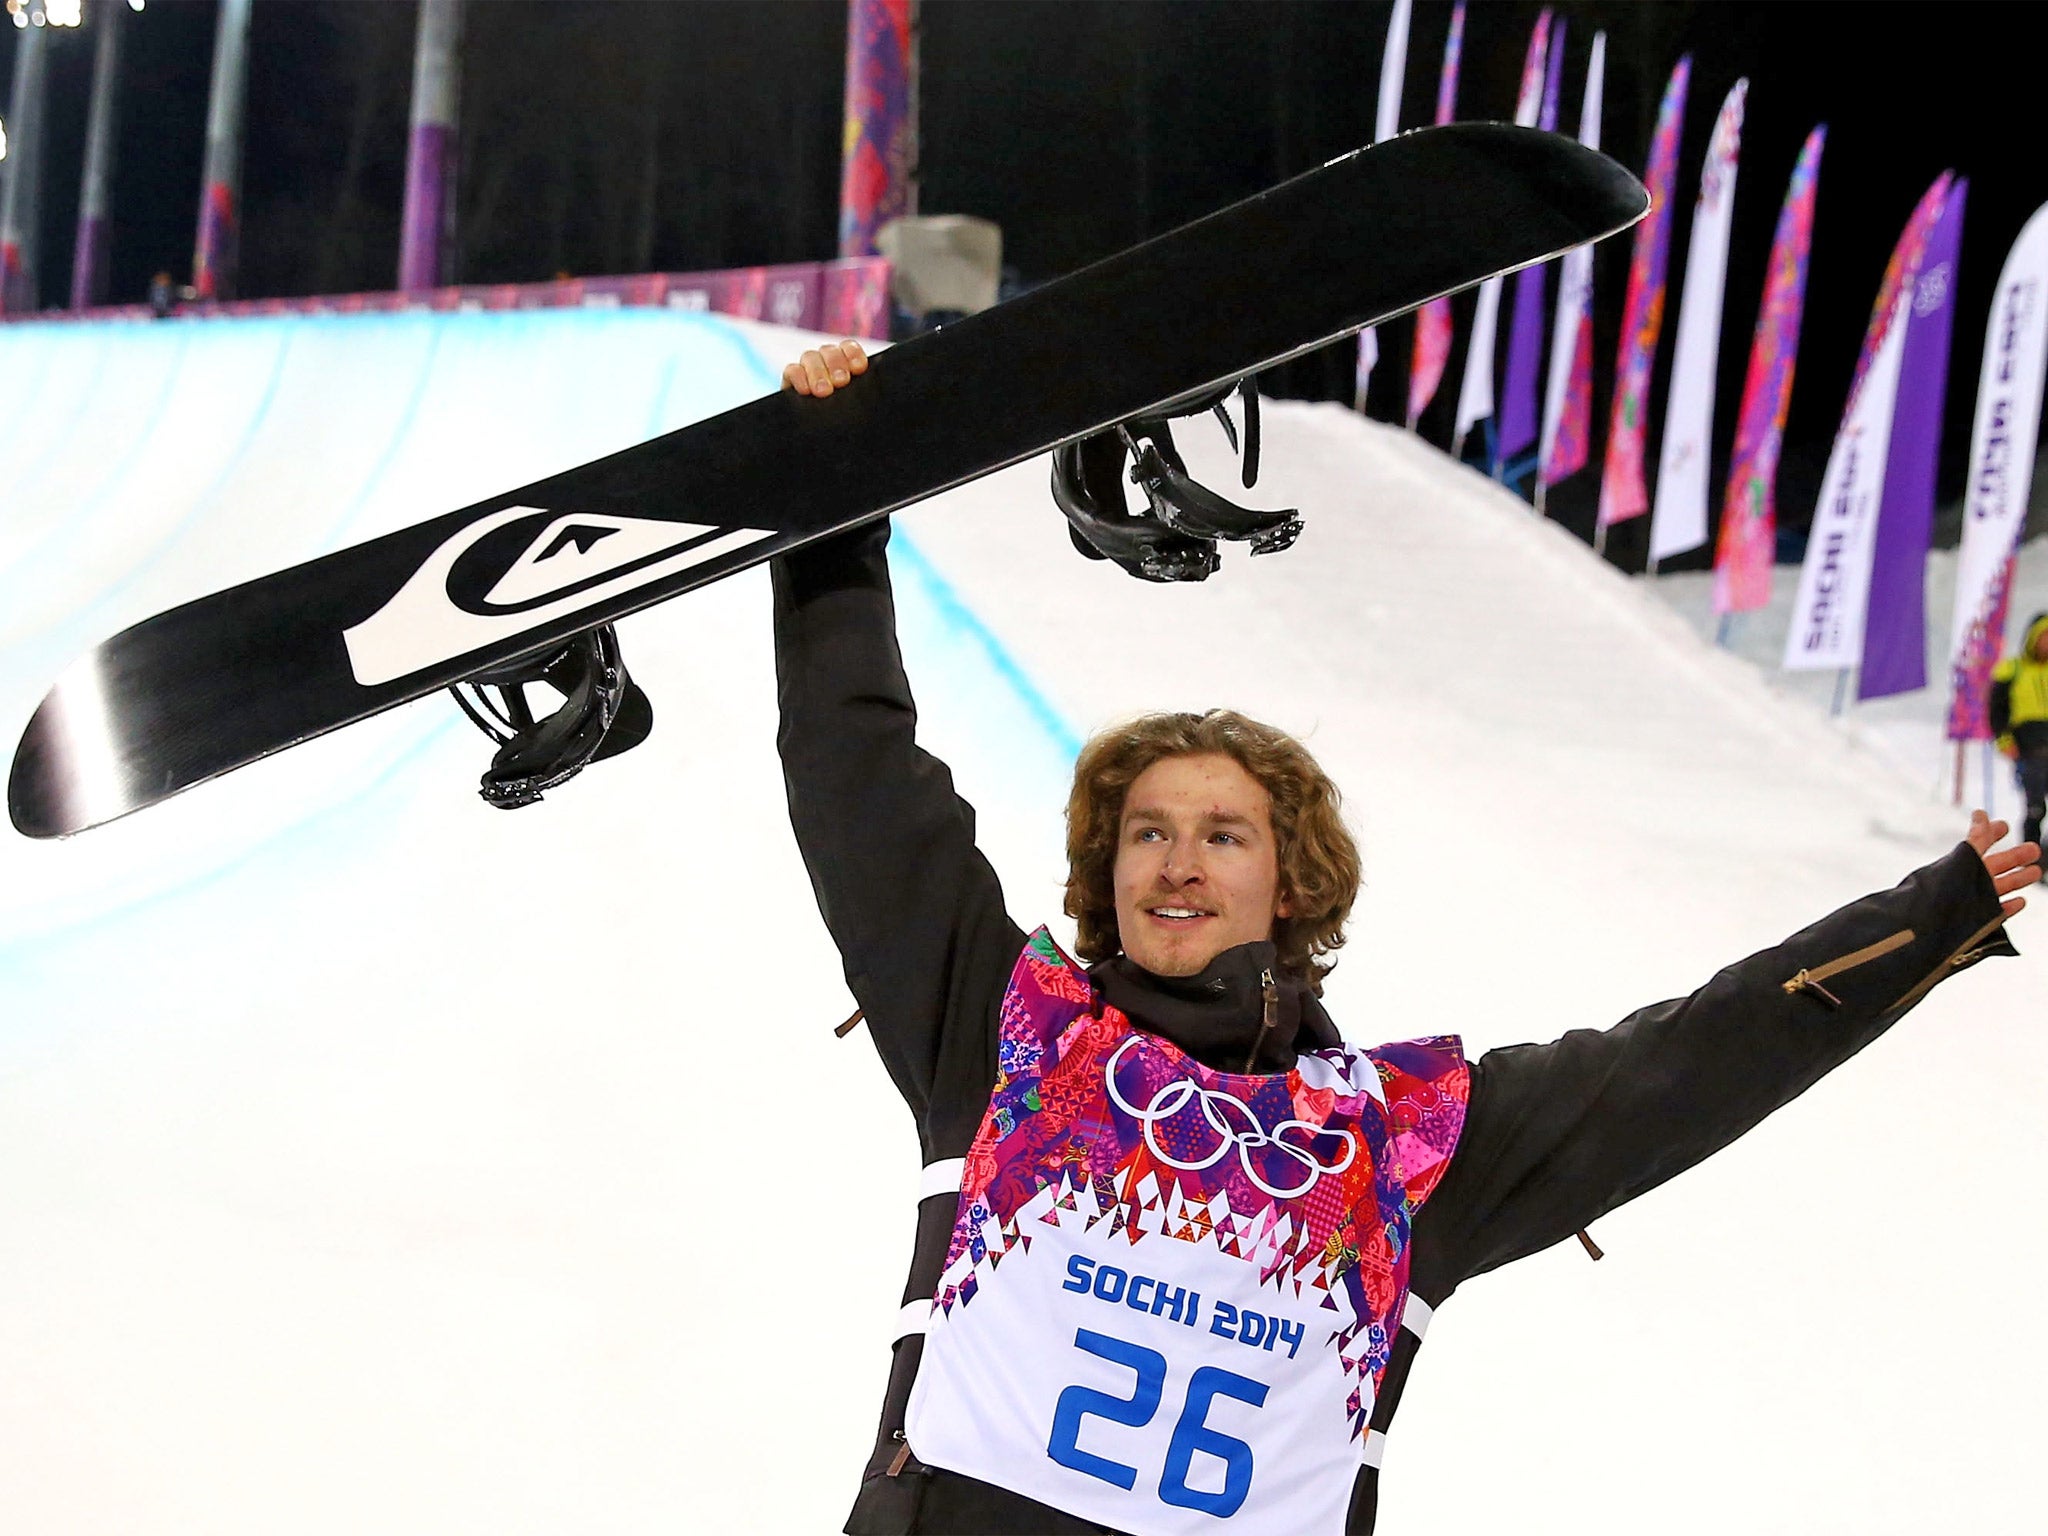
[1172, 1292]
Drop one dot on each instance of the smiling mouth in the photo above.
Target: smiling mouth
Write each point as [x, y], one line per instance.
[1177, 917]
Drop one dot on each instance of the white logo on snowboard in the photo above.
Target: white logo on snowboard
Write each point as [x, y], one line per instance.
[421, 625]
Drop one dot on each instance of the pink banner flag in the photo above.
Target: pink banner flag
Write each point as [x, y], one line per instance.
[1433, 322]
[1749, 515]
[1623, 493]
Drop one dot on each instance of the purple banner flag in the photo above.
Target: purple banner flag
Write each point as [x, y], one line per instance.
[1623, 493]
[1476, 402]
[1830, 612]
[1749, 514]
[426, 241]
[1433, 321]
[1895, 632]
[874, 182]
[1525, 335]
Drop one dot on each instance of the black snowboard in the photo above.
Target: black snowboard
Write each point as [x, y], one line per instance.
[230, 678]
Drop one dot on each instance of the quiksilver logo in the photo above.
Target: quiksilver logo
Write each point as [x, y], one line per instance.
[513, 571]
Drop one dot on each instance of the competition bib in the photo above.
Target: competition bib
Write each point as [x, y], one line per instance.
[1171, 1291]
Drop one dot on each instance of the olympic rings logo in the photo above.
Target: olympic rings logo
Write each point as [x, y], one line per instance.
[1246, 1138]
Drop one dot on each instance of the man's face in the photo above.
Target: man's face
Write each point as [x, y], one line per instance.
[2039, 649]
[1197, 868]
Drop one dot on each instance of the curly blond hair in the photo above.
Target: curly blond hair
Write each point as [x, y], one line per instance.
[1319, 868]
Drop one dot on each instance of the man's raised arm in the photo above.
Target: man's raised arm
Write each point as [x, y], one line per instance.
[914, 907]
[1560, 1134]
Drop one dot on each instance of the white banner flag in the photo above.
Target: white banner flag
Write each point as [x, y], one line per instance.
[1475, 392]
[2002, 444]
[1678, 521]
[1834, 583]
[1387, 123]
[1393, 71]
[1575, 280]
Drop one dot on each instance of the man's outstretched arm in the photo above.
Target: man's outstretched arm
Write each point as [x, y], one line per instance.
[1560, 1134]
[914, 907]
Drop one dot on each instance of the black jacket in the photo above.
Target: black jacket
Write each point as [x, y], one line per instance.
[1555, 1136]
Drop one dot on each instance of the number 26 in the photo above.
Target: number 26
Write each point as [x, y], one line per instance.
[1190, 1433]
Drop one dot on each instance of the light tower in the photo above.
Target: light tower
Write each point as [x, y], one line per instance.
[426, 247]
[19, 171]
[89, 253]
[220, 215]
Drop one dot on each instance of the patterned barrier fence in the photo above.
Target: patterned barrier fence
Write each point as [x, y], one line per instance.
[848, 298]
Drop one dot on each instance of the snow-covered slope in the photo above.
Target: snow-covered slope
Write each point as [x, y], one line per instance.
[1908, 728]
[375, 1160]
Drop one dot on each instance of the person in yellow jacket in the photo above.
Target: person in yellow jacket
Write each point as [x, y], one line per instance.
[2019, 719]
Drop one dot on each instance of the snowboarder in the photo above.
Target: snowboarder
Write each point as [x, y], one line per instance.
[1306, 1205]
[2019, 719]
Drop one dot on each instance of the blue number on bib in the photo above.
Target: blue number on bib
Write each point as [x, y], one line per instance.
[1078, 1402]
[1191, 1434]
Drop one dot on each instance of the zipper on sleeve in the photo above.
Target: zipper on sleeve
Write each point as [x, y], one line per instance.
[902, 1456]
[1812, 978]
[1969, 951]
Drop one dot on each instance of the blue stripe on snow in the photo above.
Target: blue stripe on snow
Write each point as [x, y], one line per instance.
[966, 624]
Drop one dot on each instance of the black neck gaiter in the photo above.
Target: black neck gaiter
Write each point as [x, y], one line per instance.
[1217, 1017]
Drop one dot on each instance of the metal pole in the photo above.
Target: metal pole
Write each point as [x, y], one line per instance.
[18, 178]
[89, 254]
[214, 256]
[426, 247]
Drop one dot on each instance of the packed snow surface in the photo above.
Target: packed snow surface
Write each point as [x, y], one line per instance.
[375, 1160]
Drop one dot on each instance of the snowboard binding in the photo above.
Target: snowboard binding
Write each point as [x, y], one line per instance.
[1175, 540]
[603, 713]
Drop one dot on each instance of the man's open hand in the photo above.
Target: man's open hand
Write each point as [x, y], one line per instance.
[2011, 869]
[828, 368]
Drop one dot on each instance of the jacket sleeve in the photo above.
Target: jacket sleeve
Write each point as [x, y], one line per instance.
[914, 907]
[2001, 705]
[1557, 1135]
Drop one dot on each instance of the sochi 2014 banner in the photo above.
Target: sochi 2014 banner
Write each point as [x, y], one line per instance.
[1748, 546]
[1622, 492]
[1387, 122]
[874, 184]
[1475, 391]
[1679, 521]
[2008, 423]
[1834, 583]
[1433, 320]
[1525, 332]
[1895, 632]
[1568, 393]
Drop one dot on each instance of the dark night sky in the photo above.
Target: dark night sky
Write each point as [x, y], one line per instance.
[608, 135]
